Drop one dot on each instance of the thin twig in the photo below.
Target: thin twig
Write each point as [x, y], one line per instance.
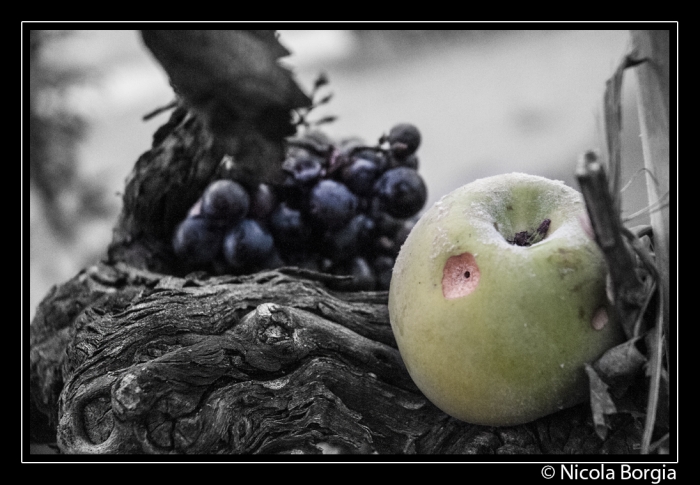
[650, 209]
[157, 111]
[655, 380]
[659, 442]
[632, 179]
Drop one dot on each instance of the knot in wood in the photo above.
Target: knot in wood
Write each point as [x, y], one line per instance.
[275, 333]
[128, 395]
[274, 324]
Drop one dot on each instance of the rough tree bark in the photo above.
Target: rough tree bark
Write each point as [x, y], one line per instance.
[136, 355]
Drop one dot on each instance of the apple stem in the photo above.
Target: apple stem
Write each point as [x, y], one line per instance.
[525, 238]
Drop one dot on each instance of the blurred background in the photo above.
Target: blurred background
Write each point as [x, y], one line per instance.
[486, 102]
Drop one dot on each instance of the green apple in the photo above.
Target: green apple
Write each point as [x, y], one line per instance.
[497, 300]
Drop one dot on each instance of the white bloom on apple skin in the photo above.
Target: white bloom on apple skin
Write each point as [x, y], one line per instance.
[494, 332]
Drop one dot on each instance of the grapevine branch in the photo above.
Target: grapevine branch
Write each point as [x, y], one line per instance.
[638, 268]
[628, 290]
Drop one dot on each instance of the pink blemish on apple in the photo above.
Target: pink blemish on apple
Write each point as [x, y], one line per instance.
[600, 318]
[460, 276]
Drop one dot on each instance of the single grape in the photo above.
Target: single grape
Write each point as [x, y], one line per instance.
[360, 175]
[332, 204]
[303, 168]
[197, 240]
[225, 201]
[291, 193]
[383, 267]
[410, 161]
[262, 202]
[386, 245]
[377, 157]
[341, 155]
[404, 139]
[289, 228]
[363, 278]
[349, 240]
[385, 224]
[401, 192]
[247, 245]
[391, 244]
[404, 230]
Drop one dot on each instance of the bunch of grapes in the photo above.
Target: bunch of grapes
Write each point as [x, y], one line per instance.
[344, 208]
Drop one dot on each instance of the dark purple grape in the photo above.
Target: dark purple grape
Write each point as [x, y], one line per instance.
[402, 233]
[262, 202]
[410, 161]
[383, 268]
[197, 240]
[289, 228]
[360, 175]
[247, 245]
[291, 193]
[303, 168]
[340, 156]
[391, 244]
[363, 278]
[385, 224]
[386, 245]
[332, 204]
[404, 139]
[225, 201]
[350, 239]
[378, 157]
[401, 192]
